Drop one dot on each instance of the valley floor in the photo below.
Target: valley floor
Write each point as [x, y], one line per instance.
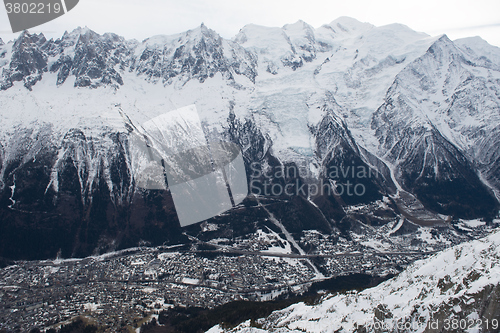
[121, 288]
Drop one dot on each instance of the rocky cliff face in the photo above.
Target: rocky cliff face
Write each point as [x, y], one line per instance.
[416, 118]
[198, 54]
[28, 61]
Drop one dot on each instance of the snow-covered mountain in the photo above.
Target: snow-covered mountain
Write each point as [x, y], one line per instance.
[432, 118]
[456, 290]
[416, 116]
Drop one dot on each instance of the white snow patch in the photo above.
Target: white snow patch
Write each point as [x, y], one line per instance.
[190, 281]
[473, 223]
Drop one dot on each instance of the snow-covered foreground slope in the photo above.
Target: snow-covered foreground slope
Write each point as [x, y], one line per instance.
[457, 290]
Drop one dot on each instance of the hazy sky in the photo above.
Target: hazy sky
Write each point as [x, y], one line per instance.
[145, 18]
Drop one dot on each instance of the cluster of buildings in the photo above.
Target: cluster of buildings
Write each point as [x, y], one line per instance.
[121, 289]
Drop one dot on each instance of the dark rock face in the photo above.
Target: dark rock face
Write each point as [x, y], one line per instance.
[94, 60]
[89, 206]
[447, 184]
[200, 54]
[342, 161]
[28, 61]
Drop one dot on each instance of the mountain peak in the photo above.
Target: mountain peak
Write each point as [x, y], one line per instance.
[402, 29]
[443, 42]
[478, 47]
[444, 38]
[25, 34]
[299, 28]
[478, 43]
[69, 39]
[201, 32]
[80, 31]
[87, 36]
[194, 34]
[204, 30]
[26, 38]
[259, 36]
[348, 24]
[297, 25]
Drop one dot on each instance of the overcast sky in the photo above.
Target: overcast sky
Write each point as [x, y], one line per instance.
[145, 18]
